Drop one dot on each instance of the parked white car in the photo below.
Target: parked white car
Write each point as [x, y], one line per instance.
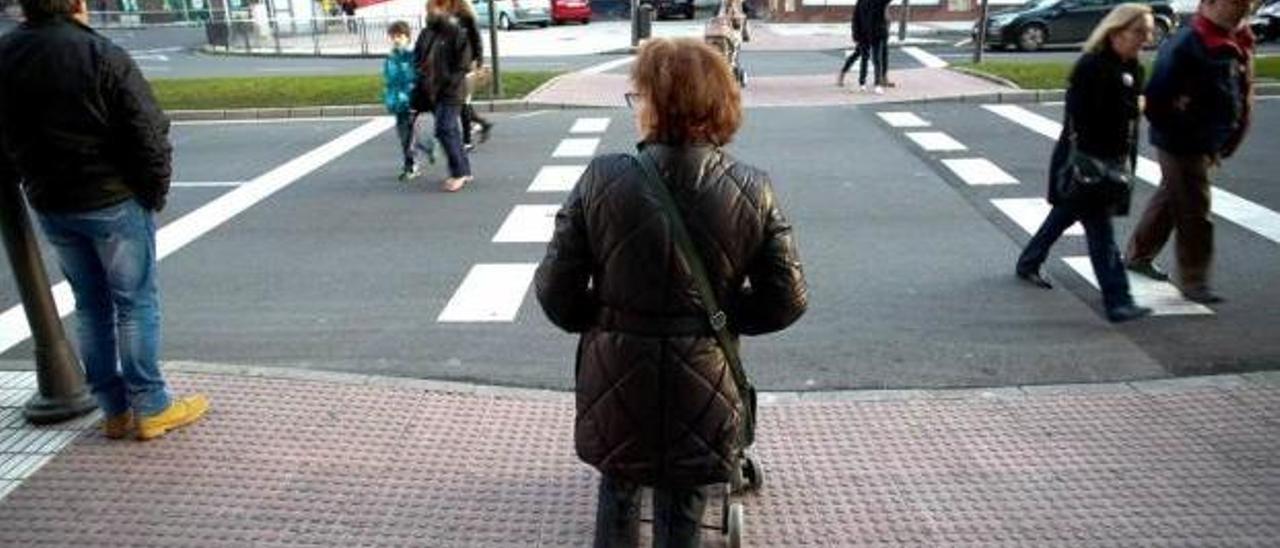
[511, 13]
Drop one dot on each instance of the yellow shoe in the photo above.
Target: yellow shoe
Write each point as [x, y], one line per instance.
[118, 426]
[180, 413]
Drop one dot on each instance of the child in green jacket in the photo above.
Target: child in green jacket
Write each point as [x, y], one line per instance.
[399, 76]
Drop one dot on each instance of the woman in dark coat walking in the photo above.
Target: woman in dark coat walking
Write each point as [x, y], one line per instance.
[656, 400]
[443, 56]
[1103, 106]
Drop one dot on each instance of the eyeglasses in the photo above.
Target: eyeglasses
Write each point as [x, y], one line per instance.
[633, 99]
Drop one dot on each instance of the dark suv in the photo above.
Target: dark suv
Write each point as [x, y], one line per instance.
[669, 8]
[1041, 22]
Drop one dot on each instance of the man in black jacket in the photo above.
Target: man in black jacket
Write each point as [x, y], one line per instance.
[1198, 102]
[80, 131]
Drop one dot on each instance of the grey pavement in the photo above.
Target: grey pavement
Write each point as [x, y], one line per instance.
[284, 460]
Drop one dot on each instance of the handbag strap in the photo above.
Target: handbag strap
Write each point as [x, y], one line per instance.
[716, 317]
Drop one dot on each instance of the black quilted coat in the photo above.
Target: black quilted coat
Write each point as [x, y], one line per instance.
[656, 403]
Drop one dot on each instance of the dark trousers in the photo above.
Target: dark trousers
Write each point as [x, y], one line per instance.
[1180, 204]
[677, 515]
[404, 129]
[880, 53]
[469, 116]
[449, 132]
[1103, 253]
[860, 51]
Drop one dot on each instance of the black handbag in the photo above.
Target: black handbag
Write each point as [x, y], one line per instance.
[1087, 179]
[716, 317]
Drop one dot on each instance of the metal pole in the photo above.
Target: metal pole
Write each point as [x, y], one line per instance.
[981, 44]
[493, 52]
[226, 14]
[902, 21]
[61, 394]
[635, 23]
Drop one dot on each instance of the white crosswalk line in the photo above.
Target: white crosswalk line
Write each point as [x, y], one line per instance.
[557, 178]
[1162, 297]
[576, 148]
[1029, 213]
[528, 224]
[925, 58]
[902, 119]
[935, 141]
[1248, 215]
[490, 293]
[590, 125]
[206, 184]
[979, 171]
[178, 233]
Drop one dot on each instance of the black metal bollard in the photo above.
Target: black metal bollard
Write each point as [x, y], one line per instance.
[62, 393]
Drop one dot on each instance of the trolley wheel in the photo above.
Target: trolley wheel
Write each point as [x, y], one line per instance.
[752, 473]
[737, 525]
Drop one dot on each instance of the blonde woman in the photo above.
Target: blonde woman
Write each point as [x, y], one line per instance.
[1101, 119]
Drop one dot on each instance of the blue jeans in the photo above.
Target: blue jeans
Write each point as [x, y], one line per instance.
[449, 132]
[1103, 253]
[677, 515]
[109, 258]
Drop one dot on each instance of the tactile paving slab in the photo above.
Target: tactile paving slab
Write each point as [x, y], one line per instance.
[305, 463]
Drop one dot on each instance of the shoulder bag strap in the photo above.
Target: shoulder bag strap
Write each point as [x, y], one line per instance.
[716, 317]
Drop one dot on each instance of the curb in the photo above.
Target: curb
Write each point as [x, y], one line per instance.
[1150, 388]
[347, 111]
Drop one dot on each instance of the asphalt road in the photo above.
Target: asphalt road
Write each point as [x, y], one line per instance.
[910, 268]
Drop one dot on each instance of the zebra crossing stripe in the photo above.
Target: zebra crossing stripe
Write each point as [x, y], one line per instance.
[979, 171]
[1162, 297]
[902, 119]
[935, 141]
[1029, 213]
[490, 293]
[925, 58]
[557, 178]
[590, 125]
[1247, 214]
[528, 224]
[576, 148]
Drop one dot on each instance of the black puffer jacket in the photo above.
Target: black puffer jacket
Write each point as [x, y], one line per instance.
[656, 402]
[443, 57]
[77, 120]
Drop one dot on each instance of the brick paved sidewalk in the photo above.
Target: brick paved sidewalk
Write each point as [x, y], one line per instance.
[344, 461]
[606, 90]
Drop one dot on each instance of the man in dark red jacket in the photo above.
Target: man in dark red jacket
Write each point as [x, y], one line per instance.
[1198, 102]
[81, 132]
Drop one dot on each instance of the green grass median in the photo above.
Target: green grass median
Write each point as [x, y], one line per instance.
[1053, 74]
[303, 91]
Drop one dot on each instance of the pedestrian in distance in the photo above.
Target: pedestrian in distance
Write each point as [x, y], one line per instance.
[443, 56]
[399, 75]
[872, 30]
[1101, 120]
[80, 131]
[1199, 106]
[349, 14]
[470, 118]
[657, 403]
[861, 49]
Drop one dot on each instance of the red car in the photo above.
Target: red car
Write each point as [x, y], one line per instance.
[570, 10]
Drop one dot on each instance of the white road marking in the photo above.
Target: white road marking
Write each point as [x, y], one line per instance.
[151, 57]
[576, 148]
[935, 141]
[182, 231]
[1030, 213]
[607, 66]
[979, 171]
[528, 224]
[1162, 297]
[925, 58]
[590, 125]
[529, 114]
[902, 119]
[150, 68]
[490, 293]
[962, 43]
[557, 178]
[1249, 215]
[206, 184]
